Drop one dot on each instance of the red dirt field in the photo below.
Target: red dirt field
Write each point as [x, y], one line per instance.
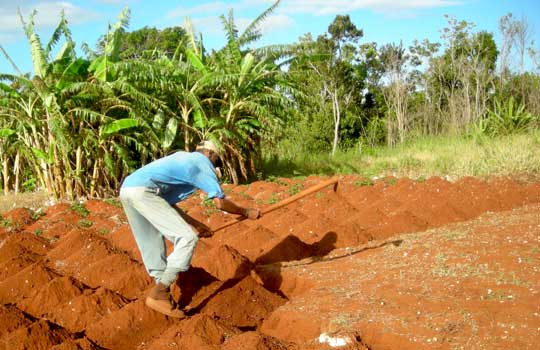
[396, 264]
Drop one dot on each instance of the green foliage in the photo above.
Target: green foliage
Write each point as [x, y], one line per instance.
[273, 199]
[113, 201]
[146, 41]
[36, 214]
[208, 203]
[80, 209]
[80, 125]
[85, 223]
[4, 222]
[424, 157]
[363, 182]
[506, 118]
[295, 188]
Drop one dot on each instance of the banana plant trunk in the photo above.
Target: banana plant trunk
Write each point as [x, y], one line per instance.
[5, 174]
[94, 180]
[78, 172]
[16, 170]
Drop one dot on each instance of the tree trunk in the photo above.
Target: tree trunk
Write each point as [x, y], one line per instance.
[337, 120]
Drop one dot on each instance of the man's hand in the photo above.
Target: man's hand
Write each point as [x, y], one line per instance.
[252, 213]
[229, 206]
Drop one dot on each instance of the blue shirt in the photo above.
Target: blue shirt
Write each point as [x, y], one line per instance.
[176, 176]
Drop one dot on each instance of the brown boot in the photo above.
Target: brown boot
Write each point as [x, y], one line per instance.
[159, 299]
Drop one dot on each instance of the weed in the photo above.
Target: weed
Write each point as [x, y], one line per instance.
[85, 223]
[103, 231]
[295, 188]
[208, 203]
[491, 295]
[527, 259]
[390, 180]
[273, 199]
[113, 201]
[38, 232]
[5, 222]
[37, 214]
[209, 212]
[363, 182]
[244, 194]
[80, 209]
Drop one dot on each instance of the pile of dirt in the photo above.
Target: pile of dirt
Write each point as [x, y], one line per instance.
[73, 278]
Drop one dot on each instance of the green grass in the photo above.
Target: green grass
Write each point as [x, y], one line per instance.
[424, 157]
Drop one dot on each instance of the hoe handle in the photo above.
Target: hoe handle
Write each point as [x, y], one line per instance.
[308, 191]
[286, 201]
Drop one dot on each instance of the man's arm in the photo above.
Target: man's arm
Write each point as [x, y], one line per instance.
[233, 208]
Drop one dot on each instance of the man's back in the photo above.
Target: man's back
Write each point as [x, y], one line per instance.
[176, 176]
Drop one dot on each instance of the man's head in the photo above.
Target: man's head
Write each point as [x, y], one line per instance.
[211, 150]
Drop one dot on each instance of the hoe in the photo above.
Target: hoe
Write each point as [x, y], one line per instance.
[333, 181]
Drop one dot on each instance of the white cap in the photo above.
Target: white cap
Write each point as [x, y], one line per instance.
[209, 145]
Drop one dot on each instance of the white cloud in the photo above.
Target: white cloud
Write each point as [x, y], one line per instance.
[115, 2]
[316, 7]
[214, 26]
[48, 15]
[204, 9]
[276, 22]
[324, 7]
[207, 25]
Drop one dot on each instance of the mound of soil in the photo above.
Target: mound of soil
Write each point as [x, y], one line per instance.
[392, 264]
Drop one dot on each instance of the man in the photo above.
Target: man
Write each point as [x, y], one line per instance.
[148, 196]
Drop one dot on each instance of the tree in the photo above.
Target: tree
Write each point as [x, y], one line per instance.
[145, 41]
[461, 78]
[333, 59]
[246, 93]
[394, 59]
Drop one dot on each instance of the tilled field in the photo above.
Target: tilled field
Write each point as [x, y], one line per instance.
[393, 264]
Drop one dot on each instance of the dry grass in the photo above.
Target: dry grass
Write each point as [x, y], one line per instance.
[32, 200]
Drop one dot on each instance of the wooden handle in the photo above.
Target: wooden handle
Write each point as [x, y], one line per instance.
[286, 201]
[299, 195]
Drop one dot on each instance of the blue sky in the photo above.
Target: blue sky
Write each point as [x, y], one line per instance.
[383, 21]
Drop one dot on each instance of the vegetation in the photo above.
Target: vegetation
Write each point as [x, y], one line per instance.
[451, 157]
[78, 125]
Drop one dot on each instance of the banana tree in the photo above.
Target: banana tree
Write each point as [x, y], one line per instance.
[249, 94]
[51, 76]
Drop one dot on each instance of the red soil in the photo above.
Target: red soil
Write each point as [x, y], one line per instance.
[356, 265]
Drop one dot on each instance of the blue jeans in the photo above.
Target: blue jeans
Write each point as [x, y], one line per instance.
[152, 220]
